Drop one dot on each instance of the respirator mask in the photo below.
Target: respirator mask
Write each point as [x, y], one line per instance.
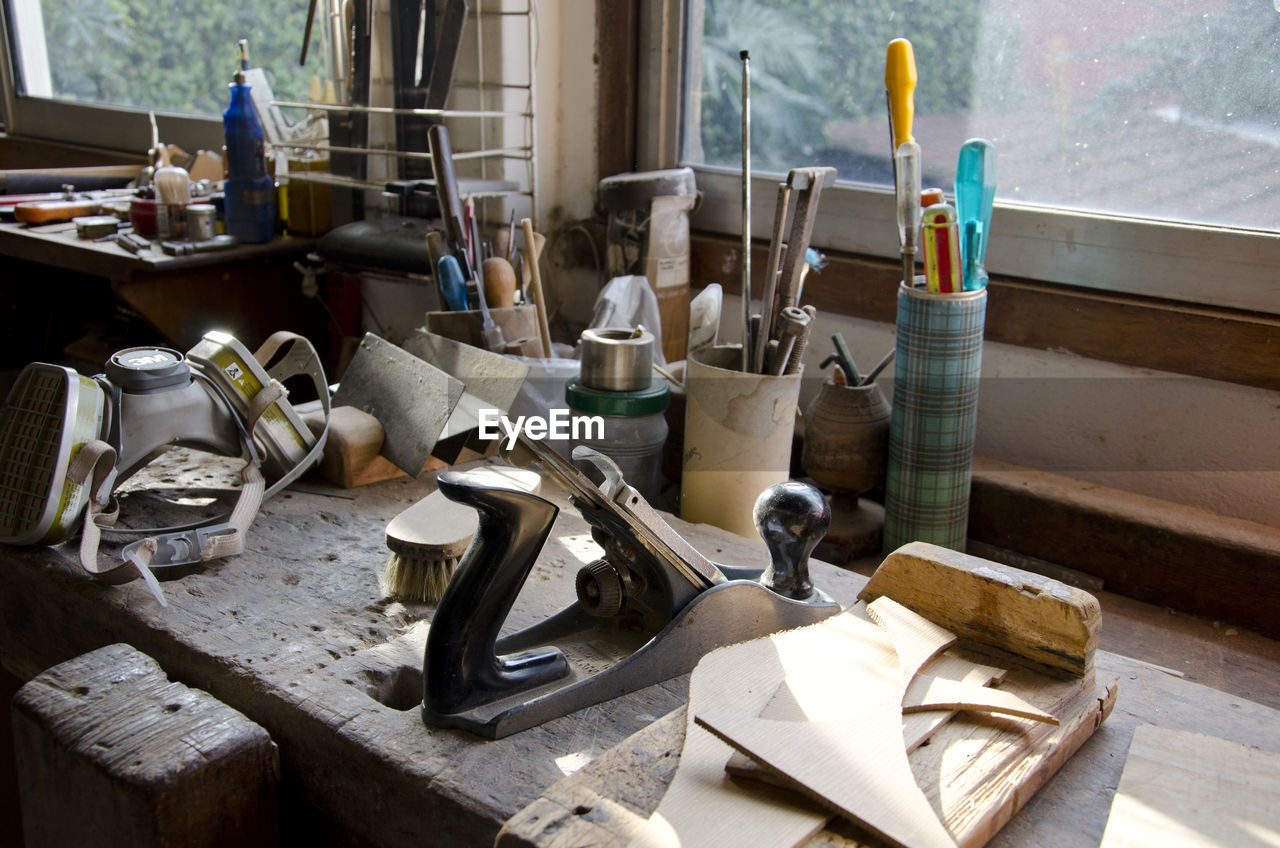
[68, 441]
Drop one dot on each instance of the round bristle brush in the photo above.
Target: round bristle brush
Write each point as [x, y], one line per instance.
[427, 539]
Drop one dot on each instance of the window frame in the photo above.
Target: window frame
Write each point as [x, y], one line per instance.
[1196, 264]
[109, 127]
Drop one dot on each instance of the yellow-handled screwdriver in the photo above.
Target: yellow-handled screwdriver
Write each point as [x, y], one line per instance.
[900, 87]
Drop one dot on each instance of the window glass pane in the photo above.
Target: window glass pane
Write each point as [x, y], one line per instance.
[172, 56]
[1154, 108]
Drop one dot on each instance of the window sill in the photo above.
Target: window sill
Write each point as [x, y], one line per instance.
[1152, 550]
[1219, 344]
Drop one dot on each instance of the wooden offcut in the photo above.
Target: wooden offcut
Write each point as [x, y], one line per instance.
[1023, 613]
[847, 752]
[1188, 790]
[351, 450]
[110, 752]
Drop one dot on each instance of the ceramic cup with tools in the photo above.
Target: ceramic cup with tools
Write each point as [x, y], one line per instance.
[737, 437]
[846, 440]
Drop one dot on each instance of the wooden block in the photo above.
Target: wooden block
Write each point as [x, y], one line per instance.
[1030, 615]
[351, 451]
[110, 752]
[1188, 790]
[516, 322]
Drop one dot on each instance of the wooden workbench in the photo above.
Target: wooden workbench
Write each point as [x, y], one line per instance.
[250, 290]
[296, 634]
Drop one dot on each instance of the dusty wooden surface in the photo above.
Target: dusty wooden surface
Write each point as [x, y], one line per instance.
[295, 634]
[112, 752]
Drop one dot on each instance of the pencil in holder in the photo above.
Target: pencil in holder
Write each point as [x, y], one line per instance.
[935, 416]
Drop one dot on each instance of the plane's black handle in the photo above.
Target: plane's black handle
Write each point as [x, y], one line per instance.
[461, 668]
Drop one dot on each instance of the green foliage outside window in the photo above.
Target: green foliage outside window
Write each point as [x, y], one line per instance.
[816, 61]
[171, 55]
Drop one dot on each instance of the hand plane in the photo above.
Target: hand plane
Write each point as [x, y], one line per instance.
[645, 612]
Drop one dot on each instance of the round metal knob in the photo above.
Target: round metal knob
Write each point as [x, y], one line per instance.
[600, 588]
[791, 517]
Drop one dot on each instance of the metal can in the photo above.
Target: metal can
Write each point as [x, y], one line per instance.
[202, 221]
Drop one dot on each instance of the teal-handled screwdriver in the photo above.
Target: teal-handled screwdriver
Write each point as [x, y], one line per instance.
[453, 287]
[975, 196]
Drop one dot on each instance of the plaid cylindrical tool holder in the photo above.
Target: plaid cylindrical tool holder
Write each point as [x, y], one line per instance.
[935, 416]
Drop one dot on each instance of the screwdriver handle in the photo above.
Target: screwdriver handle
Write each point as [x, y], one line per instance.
[900, 82]
[453, 288]
[975, 196]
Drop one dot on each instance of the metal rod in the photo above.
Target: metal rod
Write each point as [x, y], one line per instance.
[746, 211]
[388, 110]
[509, 153]
[875, 372]
[767, 316]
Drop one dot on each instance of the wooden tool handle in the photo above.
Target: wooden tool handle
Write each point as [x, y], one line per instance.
[48, 211]
[535, 285]
[499, 282]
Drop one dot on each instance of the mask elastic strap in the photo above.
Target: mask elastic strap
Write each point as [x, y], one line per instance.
[94, 466]
[294, 356]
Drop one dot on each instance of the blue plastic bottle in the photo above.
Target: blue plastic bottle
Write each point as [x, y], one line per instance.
[249, 191]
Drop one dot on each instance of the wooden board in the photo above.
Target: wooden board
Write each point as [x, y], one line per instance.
[1188, 790]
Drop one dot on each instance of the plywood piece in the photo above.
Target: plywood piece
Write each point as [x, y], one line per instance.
[918, 723]
[841, 679]
[1029, 615]
[856, 766]
[917, 640]
[931, 693]
[840, 741]
[1188, 790]
[703, 805]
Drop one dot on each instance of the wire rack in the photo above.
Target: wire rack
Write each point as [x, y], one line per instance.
[525, 150]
